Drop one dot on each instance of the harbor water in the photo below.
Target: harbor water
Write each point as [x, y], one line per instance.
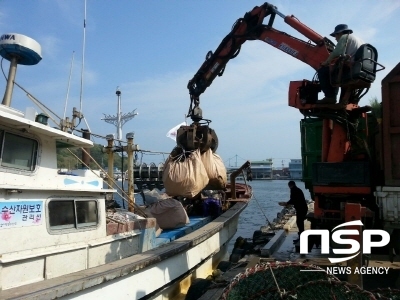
[263, 205]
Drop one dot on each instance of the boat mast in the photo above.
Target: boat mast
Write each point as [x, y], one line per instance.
[86, 132]
[119, 125]
[120, 119]
[83, 57]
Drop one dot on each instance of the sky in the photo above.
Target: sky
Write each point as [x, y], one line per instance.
[149, 50]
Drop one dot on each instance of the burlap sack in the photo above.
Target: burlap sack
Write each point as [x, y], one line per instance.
[153, 196]
[215, 169]
[169, 213]
[185, 178]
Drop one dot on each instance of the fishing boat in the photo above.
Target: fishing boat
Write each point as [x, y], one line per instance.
[57, 239]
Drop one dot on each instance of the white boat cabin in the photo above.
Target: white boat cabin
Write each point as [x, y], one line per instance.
[53, 224]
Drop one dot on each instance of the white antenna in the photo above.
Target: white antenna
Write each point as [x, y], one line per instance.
[83, 57]
[69, 84]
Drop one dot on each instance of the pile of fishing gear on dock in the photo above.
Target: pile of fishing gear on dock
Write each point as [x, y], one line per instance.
[285, 280]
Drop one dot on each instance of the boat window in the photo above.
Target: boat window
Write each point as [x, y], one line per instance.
[86, 212]
[61, 214]
[18, 152]
[72, 214]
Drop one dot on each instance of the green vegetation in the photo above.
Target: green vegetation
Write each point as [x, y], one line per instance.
[65, 160]
[376, 107]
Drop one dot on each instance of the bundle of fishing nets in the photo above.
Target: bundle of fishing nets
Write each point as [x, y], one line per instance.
[285, 280]
[322, 289]
[387, 293]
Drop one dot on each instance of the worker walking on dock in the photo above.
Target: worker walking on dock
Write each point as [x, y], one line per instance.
[298, 200]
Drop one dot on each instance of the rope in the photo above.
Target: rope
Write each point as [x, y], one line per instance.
[276, 283]
[253, 197]
[270, 224]
[153, 152]
[245, 182]
[112, 180]
[34, 99]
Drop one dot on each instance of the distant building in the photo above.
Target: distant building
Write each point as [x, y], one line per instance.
[295, 169]
[262, 169]
[281, 173]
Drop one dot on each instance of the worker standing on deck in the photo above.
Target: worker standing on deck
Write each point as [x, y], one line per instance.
[298, 200]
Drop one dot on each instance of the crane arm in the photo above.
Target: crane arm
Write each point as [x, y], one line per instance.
[251, 27]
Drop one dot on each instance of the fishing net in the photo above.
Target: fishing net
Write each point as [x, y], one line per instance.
[327, 290]
[268, 281]
[387, 293]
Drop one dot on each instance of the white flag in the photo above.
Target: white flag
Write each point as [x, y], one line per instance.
[172, 132]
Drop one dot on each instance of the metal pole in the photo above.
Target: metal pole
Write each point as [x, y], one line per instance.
[86, 153]
[10, 81]
[129, 150]
[110, 162]
[119, 124]
[83, 60]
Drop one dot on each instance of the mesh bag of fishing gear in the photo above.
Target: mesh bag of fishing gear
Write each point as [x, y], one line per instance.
[272, 280]
[386, 293]
[329, 290]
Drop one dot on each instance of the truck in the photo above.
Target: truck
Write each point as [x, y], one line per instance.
[350, 156]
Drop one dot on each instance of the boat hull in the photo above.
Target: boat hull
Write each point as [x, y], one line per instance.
[157, 273]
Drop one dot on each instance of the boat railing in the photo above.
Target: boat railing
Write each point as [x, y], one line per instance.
[235, 174]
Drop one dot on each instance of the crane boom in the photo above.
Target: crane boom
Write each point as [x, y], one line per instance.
[353, 77]
[251, 27]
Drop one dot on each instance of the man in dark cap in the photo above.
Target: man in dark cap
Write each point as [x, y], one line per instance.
[298, 200]
[347, 44]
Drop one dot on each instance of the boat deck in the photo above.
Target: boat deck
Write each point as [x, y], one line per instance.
[169, 235]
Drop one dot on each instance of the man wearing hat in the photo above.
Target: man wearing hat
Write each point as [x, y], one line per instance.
[347, 44]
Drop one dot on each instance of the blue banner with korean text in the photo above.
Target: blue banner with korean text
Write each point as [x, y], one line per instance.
[20, 213]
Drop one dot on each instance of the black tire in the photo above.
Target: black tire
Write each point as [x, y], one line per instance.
[198, 288]
[224, 266]
[234, 257]
[256, 235]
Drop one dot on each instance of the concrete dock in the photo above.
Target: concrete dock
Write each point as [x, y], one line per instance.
[281, 248]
